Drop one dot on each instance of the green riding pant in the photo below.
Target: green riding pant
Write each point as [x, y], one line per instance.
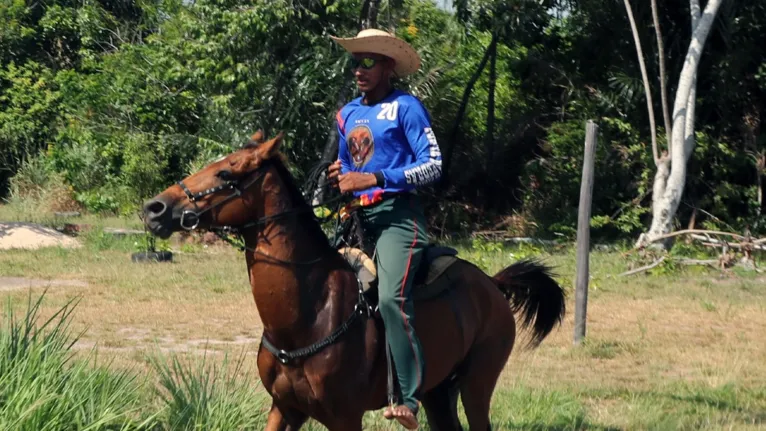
[397, 228]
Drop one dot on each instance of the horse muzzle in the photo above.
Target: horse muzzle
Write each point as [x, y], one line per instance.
[158, 218]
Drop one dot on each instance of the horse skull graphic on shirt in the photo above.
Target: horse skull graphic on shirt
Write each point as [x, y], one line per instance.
[361, 145]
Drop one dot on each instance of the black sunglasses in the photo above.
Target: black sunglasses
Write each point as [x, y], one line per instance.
[364, 62]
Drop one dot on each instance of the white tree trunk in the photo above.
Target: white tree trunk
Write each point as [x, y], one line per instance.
[682, 145]
[645, 78]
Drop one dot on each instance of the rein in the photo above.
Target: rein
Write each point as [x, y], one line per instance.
[224, 231]
[361, 309]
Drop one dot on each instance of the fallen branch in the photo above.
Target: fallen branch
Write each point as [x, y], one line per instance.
[500, 236]
[712, 262]
[735, 246]
[644, 268]
[699, 231]
[712, 242]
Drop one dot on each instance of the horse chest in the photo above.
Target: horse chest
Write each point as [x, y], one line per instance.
[296, 388]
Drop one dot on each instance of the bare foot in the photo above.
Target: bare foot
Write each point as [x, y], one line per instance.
[403, 414]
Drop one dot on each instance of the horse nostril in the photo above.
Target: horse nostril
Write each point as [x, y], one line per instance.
[155, 209]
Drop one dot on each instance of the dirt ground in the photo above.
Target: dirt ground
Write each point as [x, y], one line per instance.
[33, 236]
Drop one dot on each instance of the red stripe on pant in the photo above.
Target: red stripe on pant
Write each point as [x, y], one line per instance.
[401, 307]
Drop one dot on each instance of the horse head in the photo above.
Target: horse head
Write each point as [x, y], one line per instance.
[222, 193]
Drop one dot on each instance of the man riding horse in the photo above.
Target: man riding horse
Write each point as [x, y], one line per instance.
[320, 355]
[387, 150]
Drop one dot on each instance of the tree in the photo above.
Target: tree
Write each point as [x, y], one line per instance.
[669, 181]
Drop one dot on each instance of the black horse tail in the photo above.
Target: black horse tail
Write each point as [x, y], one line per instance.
[533, 292]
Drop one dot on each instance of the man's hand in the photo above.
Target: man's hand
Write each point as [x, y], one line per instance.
[355, 181]
[333, 171]
[350, 182]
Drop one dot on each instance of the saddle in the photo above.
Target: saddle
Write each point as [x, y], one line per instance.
[431, 278]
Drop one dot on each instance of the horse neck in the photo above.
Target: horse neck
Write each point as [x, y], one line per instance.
[287, 296]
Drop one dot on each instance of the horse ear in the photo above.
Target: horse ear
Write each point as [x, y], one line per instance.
[270, 148]
[257, 137]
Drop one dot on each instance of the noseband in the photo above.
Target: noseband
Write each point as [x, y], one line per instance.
[194, 197]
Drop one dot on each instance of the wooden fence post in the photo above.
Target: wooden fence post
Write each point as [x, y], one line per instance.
[583, 232]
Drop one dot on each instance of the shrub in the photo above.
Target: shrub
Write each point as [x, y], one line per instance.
[199, 395]
[42, 386]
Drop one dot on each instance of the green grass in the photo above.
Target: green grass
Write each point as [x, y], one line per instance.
[204, 395]
[30, 211]
[43, 388]
[675, 348]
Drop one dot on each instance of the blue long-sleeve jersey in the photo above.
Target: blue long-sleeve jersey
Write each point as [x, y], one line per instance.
[392, 139]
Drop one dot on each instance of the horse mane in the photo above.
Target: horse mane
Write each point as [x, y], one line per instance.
[279, 161]
[297, 197]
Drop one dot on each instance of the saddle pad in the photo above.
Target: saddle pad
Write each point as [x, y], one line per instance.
[436, 268]
[441, 283]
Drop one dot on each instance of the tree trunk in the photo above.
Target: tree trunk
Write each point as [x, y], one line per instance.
[759, 183]
[447, 152]
[663, 72]
[682, 145]
[658, 190]
[490, 137]
[751, 125]
[370, 9]
[645, 78]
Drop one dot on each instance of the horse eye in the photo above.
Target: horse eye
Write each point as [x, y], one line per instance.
[224, 175]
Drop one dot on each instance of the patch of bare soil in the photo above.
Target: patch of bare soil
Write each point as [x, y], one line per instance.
[32, 236]
[133, 339]
[20, 283]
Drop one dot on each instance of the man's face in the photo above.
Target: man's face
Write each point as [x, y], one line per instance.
[370, 70]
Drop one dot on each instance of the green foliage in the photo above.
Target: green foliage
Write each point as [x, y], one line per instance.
[28, 113]
[123, 99]
[692, 250]
[149, 242]
[31, 178]
[43, 388]
[553, 180]
[538, 409]
[199, 395]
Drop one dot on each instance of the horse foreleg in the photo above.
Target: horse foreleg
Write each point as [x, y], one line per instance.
[287, 420]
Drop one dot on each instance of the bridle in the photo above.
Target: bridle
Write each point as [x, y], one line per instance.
[362, 308]
[233, 185]
[223, 231]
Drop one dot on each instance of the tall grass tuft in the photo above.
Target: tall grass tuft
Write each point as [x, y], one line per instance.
[42, 387]
[523, 408]
[200, 395]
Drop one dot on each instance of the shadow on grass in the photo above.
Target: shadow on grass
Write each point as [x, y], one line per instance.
[689, 406]
[752, 414]
[532, 426]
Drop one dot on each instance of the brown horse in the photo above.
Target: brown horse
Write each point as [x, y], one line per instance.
[322, 354]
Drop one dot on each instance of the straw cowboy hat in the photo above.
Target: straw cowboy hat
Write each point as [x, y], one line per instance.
[380, 42]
